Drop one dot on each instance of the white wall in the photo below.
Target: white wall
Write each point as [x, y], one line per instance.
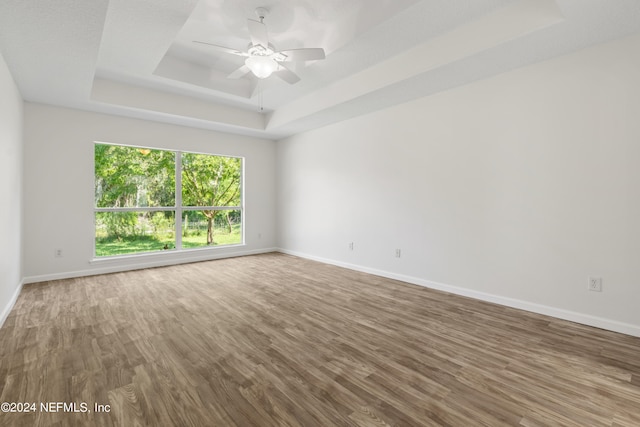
[11, 117]
[59, 187]
[513, 189]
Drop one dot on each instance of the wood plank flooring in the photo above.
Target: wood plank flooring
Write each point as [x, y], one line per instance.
[274, 340]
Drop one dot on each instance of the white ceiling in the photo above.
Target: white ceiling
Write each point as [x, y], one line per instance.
[137, 57]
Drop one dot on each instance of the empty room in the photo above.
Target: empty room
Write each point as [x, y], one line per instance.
[320, 213]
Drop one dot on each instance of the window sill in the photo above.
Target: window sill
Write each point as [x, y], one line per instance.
[182, 253]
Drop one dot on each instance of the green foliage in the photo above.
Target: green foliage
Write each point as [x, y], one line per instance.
[118, 224]
[162, 223]
[110, 246]
[133, 177]
[221, 237]
[210, 180]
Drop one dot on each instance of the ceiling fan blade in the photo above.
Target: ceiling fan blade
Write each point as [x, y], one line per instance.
[223, 49]
[258, 33]
[287, 75]
[304, 54]
[239, 72]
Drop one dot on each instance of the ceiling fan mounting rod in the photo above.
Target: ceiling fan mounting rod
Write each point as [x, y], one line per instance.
[261, 13]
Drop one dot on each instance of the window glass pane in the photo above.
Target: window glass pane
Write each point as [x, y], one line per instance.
[120, 233]
[133, 177]
[211, 228]
[210, 180]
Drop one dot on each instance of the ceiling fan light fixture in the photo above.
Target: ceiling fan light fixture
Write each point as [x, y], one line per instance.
[261, 58]
[261, 66]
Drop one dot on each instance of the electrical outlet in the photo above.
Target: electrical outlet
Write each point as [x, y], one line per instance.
[398, 253]
[350, 246]
[595, 284]
[57, 253]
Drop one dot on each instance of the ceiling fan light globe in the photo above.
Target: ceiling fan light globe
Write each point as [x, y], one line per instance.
[261, 66]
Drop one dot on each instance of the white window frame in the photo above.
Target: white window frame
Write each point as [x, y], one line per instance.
[178, 208]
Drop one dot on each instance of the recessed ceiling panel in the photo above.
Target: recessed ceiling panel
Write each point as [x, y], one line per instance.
[291, 24]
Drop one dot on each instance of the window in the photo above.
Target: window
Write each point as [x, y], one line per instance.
[150, 200]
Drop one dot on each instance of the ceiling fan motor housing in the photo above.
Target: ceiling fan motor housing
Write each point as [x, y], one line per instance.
[259, 50]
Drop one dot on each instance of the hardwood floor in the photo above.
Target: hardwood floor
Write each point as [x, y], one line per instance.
[274, 340]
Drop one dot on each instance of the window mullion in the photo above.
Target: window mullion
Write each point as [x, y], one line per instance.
[136, 209]
[178, 200]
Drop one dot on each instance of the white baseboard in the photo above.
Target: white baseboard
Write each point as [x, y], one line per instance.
[117, 265]
[7, 309]
[572, 316]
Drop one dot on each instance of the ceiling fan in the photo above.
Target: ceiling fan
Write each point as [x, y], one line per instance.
[262, 59]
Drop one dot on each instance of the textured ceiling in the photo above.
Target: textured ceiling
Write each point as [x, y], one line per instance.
[137, 57]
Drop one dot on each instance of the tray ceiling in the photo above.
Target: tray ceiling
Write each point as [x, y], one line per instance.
[137, 57]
